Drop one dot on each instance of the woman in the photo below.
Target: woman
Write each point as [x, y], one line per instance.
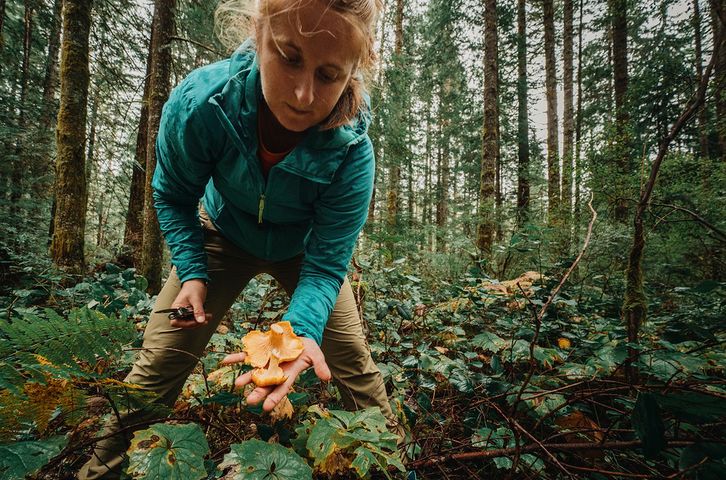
[273, 140]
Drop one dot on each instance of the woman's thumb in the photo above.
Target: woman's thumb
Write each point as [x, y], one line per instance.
[198, 310]
[321, 368]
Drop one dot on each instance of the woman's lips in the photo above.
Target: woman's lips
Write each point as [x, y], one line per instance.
[299, 112]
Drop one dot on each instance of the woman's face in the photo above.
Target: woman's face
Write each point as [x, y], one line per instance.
[304, 74]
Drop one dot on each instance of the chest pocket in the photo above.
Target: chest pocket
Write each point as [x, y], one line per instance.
[289, 197]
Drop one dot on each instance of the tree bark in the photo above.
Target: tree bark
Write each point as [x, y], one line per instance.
[442, 188]
[134, 230]
[568, 121]
[522, 116]
[553, 166]
[377, 120]
[71, 189]
[50, 81]
[20, 161]
[702, 121]
[43, 167]
[2, 25]
[394, 174]
[158, 94]
[578, 128]
[619, 25]
[490, 142]
[718, 10]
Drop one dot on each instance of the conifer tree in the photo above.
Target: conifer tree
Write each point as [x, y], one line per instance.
[69, 218]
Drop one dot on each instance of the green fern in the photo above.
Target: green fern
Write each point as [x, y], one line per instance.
[61, 346]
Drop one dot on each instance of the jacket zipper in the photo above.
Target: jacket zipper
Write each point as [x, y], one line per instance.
[261, 207]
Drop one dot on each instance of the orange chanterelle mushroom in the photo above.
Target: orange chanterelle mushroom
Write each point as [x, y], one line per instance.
[269, 349]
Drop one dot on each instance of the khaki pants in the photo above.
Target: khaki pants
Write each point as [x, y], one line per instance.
[163, 367]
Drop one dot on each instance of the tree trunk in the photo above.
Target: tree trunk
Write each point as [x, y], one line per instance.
[43, 167]
[134, 230]
[635, 305]
[568, 121]
[71, 189]
[411, 200]
[48, 115]
[377, 119]
[718, 10]
[394, 175]
[427, 178]
[578, 128]
[702, 122]
[158, 94]
[619, 25]
[553, 166]
[442, 205]
[490, 141]
[20, 160]
[2, 25]
[522, 116]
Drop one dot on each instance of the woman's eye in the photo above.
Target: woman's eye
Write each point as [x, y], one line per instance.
[289, 59]
[326, 77]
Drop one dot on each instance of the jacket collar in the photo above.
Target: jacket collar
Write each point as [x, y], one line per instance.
[319, 153]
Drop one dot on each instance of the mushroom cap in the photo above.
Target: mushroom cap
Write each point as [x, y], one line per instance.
[279, 341]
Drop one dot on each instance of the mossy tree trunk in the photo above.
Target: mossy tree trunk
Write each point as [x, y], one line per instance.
[553, 144]
[621, 144]
[134, 229]
[163, 28]
[718, 10]
[522, 116]
[635, 306]
[69, 218]
[490, 138]
[568, 120]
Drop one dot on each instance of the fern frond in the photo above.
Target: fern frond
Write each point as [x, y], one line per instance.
[71, 346]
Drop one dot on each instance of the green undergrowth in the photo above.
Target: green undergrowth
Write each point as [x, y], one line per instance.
[480, 385]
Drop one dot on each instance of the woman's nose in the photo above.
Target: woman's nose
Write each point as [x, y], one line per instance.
[304, 90]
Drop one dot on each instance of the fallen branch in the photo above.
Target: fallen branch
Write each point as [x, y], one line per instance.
[561, 447]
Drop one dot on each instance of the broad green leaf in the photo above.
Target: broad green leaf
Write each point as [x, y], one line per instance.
[168, 452]
[693, 406]
[489, 341]
[24, 458]
[325, 440]
[363, 461]
[257, 460]
[648, 424]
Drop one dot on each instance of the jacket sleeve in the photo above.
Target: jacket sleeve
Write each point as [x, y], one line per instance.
[183, 168]
[340, 213]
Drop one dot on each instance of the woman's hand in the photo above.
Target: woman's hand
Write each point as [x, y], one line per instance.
[311, 356]
[193, 293]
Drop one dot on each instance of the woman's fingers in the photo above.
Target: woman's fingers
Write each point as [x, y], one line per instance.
[272, 394]
[243, 380]
[190, 323]
[258, 394]
[234, 358]
[275, 396]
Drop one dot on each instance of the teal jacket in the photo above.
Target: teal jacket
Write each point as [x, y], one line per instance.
[315, 201]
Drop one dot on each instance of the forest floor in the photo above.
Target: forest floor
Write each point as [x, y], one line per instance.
[484, 384]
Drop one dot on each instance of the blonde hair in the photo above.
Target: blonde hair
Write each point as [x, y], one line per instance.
[235, 21]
